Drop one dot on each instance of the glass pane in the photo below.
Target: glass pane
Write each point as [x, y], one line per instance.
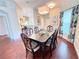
[66, 21]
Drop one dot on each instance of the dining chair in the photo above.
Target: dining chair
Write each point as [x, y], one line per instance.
[49, 43]
[52, 40]
[49, 28]
[30, 45]
[36, 30]
[55, 39]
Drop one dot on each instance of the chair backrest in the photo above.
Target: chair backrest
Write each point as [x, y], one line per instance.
[26, 40]
[50, 39]
[56, 32]
[55, 37]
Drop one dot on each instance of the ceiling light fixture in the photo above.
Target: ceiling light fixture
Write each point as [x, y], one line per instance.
[43, 10]
[51, 4]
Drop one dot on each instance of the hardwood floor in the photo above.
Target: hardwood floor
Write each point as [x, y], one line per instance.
[15, 50]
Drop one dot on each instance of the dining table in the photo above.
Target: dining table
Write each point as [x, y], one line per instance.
[41, 39]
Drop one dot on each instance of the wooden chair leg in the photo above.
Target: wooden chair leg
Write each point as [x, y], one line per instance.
[54, 46]
[42, 51]
[56, 42]
[50, 50]
[33, 54]
[26, 53]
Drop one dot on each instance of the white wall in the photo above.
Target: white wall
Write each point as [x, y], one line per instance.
[76, 43]
[50, 19]
[66, 4]
[19, 12]
[29, 12]
[3, 30]
[12, 20]
[55, 17]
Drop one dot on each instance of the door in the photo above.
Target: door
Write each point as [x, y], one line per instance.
[3, 30]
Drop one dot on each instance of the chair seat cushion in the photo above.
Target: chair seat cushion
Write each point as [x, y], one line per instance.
[35, 46]
[35, 49]
[48, 43]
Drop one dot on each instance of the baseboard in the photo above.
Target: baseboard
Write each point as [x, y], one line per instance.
[67, 39]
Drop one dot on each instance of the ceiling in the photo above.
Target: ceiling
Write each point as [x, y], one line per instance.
[31, 3]
[63, 4]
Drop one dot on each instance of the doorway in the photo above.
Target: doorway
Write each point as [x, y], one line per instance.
[3, 28]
